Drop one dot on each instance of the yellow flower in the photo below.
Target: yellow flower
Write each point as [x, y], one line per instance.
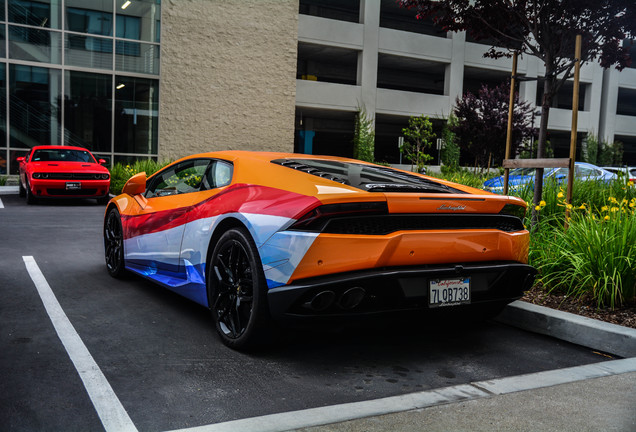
[582, 206]
[560, 195]
[542, 203]
[630, 183]
[604, 208]
[615, 209]
[537, 208]
[612, 200]
[606, 217]
[569, 206]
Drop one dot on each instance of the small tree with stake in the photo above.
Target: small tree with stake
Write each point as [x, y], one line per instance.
[545, 29]
[418, 137]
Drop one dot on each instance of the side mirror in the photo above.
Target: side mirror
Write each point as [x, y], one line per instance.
[101, 161]
[136, 185]
[20, 159]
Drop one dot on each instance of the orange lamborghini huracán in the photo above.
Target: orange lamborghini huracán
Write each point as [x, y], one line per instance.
[265, 237]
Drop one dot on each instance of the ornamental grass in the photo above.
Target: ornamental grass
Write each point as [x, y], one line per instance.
[595, 257]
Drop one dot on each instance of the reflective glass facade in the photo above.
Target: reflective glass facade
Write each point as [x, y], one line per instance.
[79, 72]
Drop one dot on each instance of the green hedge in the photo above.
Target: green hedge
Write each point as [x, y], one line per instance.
[595, 257]
[120, 173]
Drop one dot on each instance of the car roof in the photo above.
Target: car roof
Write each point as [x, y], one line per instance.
[268, 156]
[59, 147]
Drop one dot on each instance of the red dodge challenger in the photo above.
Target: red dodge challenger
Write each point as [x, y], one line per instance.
[63, 172]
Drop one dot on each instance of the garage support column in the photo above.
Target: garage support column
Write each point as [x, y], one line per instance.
[368, 59]
[454, 74]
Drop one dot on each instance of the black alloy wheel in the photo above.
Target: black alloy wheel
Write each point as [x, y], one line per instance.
[114, 244]
[237, 291]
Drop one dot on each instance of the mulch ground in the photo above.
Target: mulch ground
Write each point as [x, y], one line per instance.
[624, 316]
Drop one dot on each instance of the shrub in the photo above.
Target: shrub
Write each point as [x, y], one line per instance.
[120, 173]
[594, 258]
[3, 180]
[363, 137]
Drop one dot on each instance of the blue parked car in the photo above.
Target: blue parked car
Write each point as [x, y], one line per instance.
[521, 178]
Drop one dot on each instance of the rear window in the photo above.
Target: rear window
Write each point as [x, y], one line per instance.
[366, 177]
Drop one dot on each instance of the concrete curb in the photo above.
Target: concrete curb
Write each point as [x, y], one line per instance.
[8, 190]
[591, 333]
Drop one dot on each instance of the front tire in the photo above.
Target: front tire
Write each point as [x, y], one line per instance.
[30, 198]
[237, 292]
[114, 244]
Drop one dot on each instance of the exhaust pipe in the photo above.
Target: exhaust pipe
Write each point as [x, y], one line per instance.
[321, 301]
[352, 298]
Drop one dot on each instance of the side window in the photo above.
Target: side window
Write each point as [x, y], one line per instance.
[219, 175]
[184, 177]
[584, 172]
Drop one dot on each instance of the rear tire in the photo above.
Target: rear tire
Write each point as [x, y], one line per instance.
[21, 190]
[237, 292]
[114, 244]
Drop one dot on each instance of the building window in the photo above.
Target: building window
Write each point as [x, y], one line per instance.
[410, 74]
[326, 63]
[343, 10]
[37, 45]
[74, 96]
[136, 115]
[475, 78]
[398, 18]
[138, 20]
[563, 98]
[34, 106]
[98, 22]
[88, 110]
[41, 13]
[626, 102]
[631, 45]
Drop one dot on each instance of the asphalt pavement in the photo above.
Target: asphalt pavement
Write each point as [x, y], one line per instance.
[592, 397]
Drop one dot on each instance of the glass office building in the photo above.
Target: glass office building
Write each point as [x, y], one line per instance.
[79, 72]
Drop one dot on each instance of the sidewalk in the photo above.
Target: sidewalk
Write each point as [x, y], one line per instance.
[600, 404]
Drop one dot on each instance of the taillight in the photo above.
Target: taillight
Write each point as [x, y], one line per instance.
[514, 210]
[317, 218]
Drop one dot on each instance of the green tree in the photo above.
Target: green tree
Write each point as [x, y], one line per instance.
[363, 137]
[418, 137]
[450, 150]
[546, 30]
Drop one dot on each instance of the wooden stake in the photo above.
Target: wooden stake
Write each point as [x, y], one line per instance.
[575, 118]
[511, 107]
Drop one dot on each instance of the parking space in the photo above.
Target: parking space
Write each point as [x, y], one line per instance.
[168, 369]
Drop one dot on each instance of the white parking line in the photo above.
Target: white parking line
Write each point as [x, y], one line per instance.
[110, 410]
[478, 390]
[1, 205]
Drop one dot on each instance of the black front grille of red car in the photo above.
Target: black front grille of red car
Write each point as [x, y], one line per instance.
[71, 192]
[386, 224]
[71, 176]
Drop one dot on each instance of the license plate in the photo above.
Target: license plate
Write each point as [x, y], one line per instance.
[448, 292]
[73, 185]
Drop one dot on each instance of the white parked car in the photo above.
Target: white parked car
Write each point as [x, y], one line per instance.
[630, 172]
